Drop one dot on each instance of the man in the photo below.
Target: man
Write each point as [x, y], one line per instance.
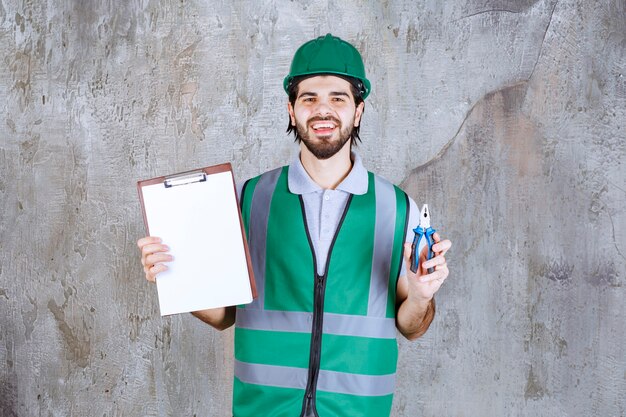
[327, 242]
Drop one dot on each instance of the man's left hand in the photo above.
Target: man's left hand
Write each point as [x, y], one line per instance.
[422, 286]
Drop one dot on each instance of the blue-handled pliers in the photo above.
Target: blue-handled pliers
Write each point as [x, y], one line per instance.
[422, 231]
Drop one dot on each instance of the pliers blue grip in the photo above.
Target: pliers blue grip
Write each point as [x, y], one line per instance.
[422, 231]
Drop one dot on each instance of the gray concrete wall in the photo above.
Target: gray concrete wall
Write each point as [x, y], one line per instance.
[507, 117]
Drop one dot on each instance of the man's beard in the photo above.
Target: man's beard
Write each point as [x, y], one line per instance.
[324, 148]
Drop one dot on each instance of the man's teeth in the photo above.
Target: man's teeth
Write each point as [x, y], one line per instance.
[323, 126]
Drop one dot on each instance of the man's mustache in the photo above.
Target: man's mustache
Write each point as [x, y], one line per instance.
[324, 119]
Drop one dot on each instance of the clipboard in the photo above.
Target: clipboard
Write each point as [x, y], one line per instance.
[196, 213]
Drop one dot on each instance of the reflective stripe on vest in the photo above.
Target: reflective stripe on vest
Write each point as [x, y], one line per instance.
[340, 382]
[358, 337]
[300, 322]
[383, 236]
[258, 230]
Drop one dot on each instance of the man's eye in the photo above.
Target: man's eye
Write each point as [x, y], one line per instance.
[308, 99]
[338, 99]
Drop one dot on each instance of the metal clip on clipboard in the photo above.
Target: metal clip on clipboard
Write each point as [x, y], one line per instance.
[185, 178]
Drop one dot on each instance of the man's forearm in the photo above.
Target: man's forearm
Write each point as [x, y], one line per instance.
[219, 318]
[414, 317]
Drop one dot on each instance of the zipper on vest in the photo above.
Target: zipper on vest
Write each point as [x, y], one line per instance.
[316, 346]
[308, 404]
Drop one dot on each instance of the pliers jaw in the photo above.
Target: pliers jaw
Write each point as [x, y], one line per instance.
[422, 231]
[425, 217]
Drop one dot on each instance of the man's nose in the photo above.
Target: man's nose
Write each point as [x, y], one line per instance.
[323, 108]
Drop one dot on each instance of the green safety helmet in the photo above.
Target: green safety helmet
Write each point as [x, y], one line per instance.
[328, 55]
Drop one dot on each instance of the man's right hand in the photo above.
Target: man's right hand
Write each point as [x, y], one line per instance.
[153, 254]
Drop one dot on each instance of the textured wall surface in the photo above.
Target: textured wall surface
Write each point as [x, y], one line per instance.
[507, 117]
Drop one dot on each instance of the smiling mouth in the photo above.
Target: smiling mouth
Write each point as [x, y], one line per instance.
[323, 128]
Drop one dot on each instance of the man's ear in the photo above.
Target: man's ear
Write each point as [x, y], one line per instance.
[358, 113]
[292, 116]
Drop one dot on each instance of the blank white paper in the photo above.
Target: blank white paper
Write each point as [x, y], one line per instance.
[200, 223]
